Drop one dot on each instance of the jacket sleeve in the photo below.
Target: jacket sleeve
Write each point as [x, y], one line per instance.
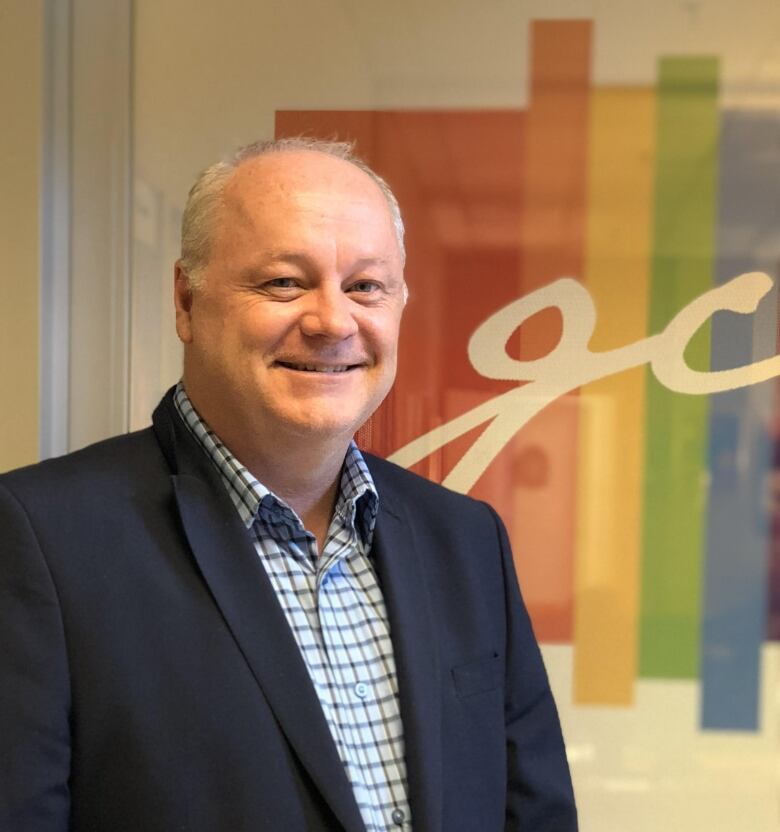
[34, 683]
[539, 789]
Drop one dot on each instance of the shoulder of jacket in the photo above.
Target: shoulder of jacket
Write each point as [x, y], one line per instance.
[108, 456]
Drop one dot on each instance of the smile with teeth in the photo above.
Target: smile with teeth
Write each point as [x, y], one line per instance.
[317, 368]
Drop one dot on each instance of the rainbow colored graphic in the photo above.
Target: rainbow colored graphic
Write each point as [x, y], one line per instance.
[643, 521]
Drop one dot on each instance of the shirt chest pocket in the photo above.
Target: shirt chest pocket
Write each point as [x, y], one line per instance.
[478, 676]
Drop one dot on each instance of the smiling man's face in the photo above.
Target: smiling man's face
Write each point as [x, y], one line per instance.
[295, 328]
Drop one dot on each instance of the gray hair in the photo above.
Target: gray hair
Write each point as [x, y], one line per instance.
[205, 197]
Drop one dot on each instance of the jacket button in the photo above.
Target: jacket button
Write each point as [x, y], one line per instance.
[398, 817]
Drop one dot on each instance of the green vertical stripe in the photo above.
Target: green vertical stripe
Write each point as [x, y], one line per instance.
[677, 425]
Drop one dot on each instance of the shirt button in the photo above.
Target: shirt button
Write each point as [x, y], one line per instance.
[361, 690]
[398, 817]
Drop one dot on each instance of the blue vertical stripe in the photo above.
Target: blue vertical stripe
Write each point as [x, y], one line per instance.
[740, 460]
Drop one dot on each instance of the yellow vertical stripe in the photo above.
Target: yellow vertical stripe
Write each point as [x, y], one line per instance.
[611, 440]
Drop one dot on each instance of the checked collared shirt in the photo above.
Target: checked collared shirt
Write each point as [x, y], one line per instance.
[336, 611]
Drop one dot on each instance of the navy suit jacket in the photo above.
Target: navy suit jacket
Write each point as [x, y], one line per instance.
[149, 680]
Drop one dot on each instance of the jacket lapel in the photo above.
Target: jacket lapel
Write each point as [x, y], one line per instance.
[248, 603]
[412, 628]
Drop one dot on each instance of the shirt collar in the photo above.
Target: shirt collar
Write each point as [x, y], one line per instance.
[357, 502]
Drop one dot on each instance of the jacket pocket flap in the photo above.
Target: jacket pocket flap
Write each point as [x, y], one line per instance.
[478, 676]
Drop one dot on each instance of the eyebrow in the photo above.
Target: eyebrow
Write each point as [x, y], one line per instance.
[296, 258]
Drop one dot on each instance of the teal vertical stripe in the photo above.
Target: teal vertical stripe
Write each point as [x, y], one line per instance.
[677, 425]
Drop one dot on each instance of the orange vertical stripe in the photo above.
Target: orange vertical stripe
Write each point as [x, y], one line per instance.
[555, 159]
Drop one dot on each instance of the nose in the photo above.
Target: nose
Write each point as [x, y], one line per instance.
[328, 315]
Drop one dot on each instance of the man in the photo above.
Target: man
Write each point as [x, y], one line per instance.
[232, 620]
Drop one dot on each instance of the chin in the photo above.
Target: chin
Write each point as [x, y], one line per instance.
[322, 426]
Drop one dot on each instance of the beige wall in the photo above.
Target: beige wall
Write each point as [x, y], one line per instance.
[21, 27]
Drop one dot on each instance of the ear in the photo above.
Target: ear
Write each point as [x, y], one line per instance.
[182, 299]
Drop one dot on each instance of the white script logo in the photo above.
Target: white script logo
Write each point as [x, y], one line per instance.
[571, 364]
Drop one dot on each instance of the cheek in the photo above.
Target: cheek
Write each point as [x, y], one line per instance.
[382, 334]
[208, 319]
[220, 342]
[386, 356]
[261, 327]
[389, 344]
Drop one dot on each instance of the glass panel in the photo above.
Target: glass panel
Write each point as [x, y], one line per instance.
[580, 193]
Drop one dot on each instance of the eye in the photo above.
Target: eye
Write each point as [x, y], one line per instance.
[364, 287]
[281, 288]
[281, 283]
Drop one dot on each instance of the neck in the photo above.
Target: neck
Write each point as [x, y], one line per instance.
[306, 477]
[304, 470]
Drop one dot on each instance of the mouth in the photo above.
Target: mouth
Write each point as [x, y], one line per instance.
[317, 368]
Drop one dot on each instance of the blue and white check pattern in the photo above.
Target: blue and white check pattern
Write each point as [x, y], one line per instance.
[336, 611]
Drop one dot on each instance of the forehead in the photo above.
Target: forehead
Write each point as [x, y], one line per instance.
[307, 187]
[318, 208]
